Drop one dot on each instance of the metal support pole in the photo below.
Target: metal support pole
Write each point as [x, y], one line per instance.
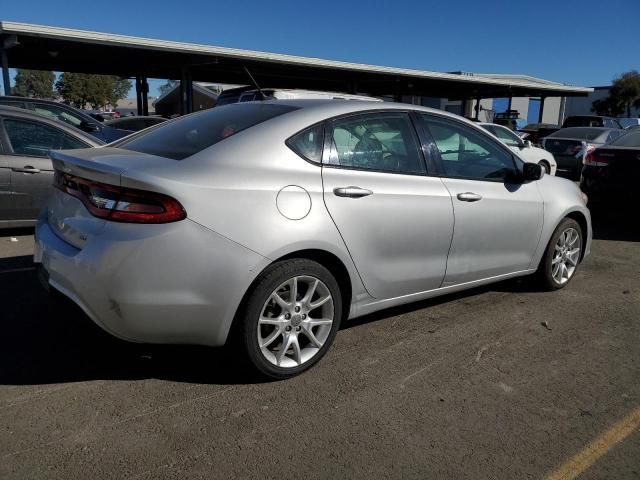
[542, 99]
[186, 91]
[5, 70]
[139, 94]
[509, 105]
[477, 117]
[145, 96]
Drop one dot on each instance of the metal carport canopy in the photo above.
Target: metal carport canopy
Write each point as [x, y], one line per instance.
[41, 47]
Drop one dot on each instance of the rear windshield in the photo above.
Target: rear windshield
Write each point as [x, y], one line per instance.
[580, 133]
[193, 133]
[631, 139]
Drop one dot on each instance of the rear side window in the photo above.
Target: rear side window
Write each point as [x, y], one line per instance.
[308, 143]
[193, 133]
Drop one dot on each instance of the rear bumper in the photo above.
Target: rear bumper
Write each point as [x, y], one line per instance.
[171, 283]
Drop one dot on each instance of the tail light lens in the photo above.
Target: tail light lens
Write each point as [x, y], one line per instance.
[120, 204]
[595, 159]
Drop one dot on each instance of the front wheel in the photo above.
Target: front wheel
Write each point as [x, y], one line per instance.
[545, 166]
[291, 317]
[560, 261]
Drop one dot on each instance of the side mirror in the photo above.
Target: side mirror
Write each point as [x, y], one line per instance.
[531, 172]
[88, 127]
[527, 144]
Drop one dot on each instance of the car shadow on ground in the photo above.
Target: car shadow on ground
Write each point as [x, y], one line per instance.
[48, 339]
[43, 343]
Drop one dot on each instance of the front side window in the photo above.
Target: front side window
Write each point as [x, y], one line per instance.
[30, 138]
[377, 141]
[466, 153]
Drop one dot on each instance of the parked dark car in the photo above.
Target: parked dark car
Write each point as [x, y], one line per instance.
[537, 131]
[590, 121]
[26, 172]
[610, 174]
[67, 114]
[570, 146]
[134, 124]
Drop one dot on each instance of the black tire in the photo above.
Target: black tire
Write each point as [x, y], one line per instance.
[545, 269]
[247, 326]
[545, 166]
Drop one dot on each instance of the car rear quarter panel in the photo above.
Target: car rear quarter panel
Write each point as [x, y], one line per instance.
[232, 188]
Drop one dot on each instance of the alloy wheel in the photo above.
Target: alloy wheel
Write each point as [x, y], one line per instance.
[566, 256]
[295, 321]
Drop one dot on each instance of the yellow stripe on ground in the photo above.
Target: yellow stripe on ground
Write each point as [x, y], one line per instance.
[577, 464]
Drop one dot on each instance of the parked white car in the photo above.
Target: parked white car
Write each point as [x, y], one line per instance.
[523, 148]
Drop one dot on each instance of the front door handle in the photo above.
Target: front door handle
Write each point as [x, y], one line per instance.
[469, 197]
[27, 169]
[351, 192]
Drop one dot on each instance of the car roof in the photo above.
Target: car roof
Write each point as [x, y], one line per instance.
[331, 107]
[588, 133]
[29, 115]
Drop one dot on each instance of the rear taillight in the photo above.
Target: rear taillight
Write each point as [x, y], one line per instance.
[596, 159]
[120, 204]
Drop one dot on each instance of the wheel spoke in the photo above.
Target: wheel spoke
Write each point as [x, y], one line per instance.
[279, 300]
[564, 272]
[264, 343]
[556, 260]
[314, 322]
[319, 302]
[286, 343]
[294, 290]
[311, 336]
[297, 356]
[309, 295]
[271, 321]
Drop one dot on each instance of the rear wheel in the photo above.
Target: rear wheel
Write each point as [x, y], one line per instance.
[562, 256]
[291, 318]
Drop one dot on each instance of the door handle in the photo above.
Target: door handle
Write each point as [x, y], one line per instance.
[469, 197]
[27, 169]
[351, 192]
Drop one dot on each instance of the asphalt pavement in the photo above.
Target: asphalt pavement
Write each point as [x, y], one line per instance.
[501, 382]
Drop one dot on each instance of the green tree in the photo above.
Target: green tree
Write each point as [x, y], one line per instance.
[80, 89]
[33, 83]
[623, 94]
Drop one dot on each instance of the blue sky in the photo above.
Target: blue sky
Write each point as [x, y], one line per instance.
[583, 42]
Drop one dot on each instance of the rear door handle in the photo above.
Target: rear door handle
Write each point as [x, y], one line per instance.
[351, 192]
[27, 169]
[469, 197]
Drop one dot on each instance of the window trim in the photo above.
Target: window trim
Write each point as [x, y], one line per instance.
[327, 143]
[438, 158]
[289, 140]
[5, 140]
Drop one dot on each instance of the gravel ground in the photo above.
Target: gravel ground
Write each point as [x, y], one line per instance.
[501, 382]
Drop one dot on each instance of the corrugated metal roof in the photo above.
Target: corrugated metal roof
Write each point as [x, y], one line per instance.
[90, 37]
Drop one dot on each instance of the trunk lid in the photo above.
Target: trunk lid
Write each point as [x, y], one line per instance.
[67, 215]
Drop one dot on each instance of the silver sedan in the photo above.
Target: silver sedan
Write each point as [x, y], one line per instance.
[269, 223]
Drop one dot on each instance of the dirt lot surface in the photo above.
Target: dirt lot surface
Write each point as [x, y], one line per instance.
[503, 382]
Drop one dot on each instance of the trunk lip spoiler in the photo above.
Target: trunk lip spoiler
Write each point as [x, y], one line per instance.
[74, 165]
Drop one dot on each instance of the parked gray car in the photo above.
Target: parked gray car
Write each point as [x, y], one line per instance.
[26, 172]
[570, 146]
[268, 223]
